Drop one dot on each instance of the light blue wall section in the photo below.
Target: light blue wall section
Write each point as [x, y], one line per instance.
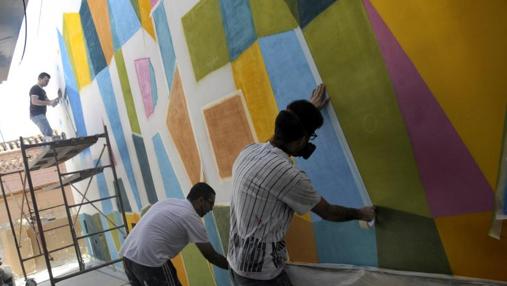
[238, 25]
[109, 100]
[171, 185]
[165, 43]
[123, 20]
[222, 277]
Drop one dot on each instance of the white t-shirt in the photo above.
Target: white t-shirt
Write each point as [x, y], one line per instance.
[267, 190]
[163, 232]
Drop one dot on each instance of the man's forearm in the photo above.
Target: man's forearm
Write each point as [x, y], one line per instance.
[219, 260]
[42, 102]
[340, 213]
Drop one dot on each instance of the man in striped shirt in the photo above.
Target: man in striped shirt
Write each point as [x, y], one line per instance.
[268, 189]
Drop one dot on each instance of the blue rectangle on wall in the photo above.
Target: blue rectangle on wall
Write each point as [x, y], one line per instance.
[238, 25]
[165, 43]
[171, 185]
[144, 165]
[111, 107]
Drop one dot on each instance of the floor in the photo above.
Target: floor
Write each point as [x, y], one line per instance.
[108, 275]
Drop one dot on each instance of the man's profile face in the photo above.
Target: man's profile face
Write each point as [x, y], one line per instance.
[44, 81]
[206, 205]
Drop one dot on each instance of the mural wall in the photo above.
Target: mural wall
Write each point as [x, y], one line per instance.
[415, 125]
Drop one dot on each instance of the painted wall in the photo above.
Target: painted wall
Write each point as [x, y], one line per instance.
[415, 125]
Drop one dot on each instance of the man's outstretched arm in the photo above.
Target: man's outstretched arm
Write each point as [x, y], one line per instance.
[340, 213]
[212, 256]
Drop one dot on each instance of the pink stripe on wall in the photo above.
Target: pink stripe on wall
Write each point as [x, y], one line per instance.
[144, 80]
[453, 182]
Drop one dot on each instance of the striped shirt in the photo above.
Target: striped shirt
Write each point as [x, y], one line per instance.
[267, 190]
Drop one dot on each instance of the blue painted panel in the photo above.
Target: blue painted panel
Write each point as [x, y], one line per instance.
[292, 79]
[109, 238]
[109, 100]
[309, 9]
[124, 21]
[96, 55]
[154, 89]
[71, 89]
[144, 165]
[346, 243]
[238, 25]
[221, 276]
[171, 185]
[107, 205]
[165, 43]
[124, 198]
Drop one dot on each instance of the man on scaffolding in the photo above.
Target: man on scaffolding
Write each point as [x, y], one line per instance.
[38, 105]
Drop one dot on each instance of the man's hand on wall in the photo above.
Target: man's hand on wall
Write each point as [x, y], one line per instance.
[319, 96]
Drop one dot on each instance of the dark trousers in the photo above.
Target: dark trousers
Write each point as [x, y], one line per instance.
[140, 275]
[281, 280]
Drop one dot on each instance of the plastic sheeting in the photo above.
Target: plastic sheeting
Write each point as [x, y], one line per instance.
[346, 275]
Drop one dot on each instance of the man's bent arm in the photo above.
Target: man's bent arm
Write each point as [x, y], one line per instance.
[212, 256]
[36, 101]
[339, 213]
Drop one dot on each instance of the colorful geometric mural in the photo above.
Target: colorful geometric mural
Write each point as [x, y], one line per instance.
[416, 119]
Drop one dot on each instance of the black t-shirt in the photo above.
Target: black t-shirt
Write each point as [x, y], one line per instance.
[37, 109]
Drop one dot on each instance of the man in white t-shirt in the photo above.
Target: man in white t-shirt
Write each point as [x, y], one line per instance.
[166, 228]
[268, 189]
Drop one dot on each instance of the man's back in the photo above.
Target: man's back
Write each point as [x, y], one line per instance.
[163, 232]
[267, 189]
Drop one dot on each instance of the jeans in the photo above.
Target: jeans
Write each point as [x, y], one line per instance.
[140, 275]
[281, 280]
[42, 122]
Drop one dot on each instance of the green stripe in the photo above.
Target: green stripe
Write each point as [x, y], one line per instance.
[198, 269]
[127, 93]
[349, 61]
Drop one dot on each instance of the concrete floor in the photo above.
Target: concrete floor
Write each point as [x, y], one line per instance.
[106, 276]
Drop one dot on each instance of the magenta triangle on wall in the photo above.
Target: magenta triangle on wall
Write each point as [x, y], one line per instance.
[453, 182]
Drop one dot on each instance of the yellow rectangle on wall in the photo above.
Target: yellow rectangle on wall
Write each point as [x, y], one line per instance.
[251, 77]
[75, 42]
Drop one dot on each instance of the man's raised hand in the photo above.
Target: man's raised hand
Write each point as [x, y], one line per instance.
[319, 96]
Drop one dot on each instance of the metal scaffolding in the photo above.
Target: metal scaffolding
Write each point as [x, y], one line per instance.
[30, 154]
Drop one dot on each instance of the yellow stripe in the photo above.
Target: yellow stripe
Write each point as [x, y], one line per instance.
[74, 39]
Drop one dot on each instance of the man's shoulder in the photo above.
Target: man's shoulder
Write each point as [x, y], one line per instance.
[36, 90]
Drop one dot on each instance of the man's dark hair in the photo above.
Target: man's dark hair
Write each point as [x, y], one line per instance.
[299, 119]
[200, 190]
[43, 75]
